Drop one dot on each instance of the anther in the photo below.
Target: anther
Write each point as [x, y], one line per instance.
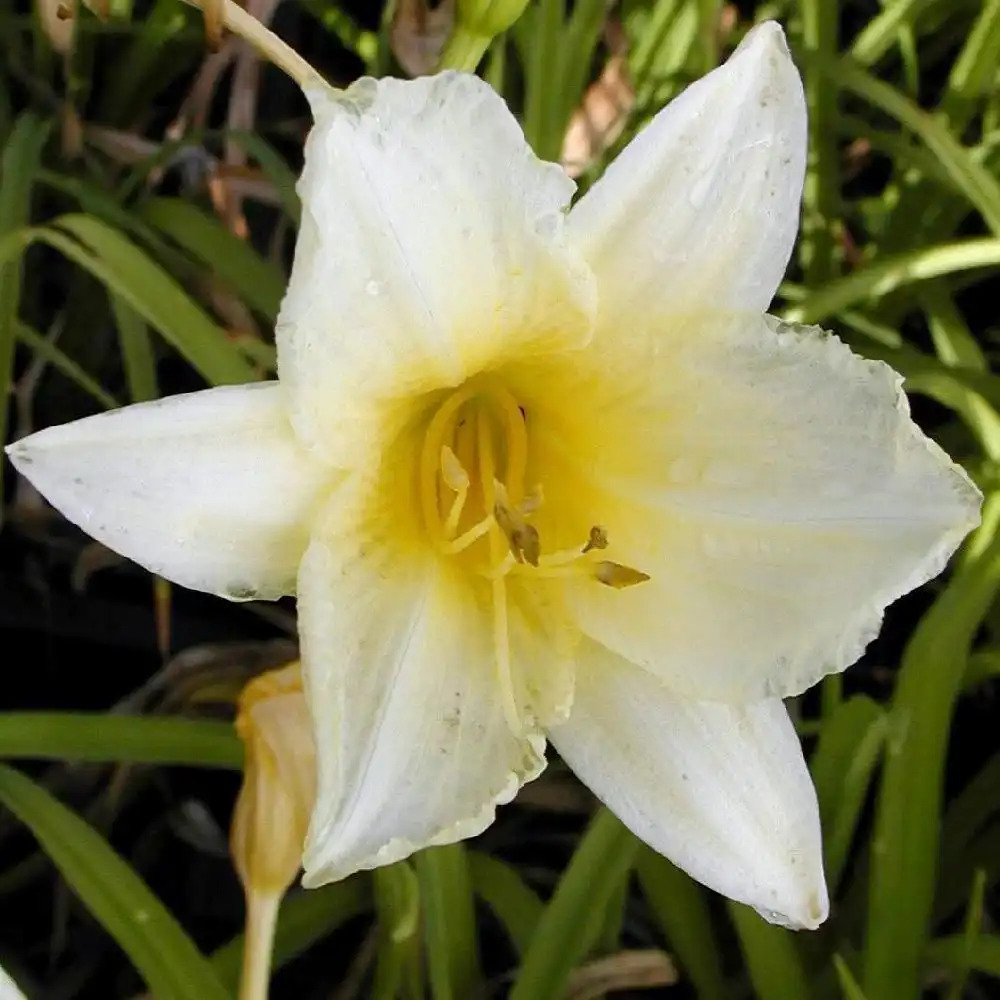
[598, 539]
[613, 574]
[522, 538]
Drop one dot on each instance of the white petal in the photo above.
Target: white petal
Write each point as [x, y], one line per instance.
[413, 747]
[8, 988]
[721, 790]
[702, 207]
[432, 247]
[210, 489]
[773, 486]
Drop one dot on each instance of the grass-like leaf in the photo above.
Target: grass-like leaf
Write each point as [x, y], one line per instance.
[575, 916]
[98, 737]
[163, 954]
[907, 826]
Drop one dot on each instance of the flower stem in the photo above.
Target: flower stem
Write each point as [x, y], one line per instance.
[268, 44]
[464, 50]
[258, 944]
[265, 41]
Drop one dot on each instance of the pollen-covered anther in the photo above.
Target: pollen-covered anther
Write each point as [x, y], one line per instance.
[522, 537]
[598, 539]
[613, 574]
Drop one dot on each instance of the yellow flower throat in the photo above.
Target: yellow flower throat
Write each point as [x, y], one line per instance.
[474, 506]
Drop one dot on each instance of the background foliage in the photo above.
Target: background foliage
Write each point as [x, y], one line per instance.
[147, 212]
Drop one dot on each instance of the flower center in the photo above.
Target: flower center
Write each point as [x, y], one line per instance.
[474, 506]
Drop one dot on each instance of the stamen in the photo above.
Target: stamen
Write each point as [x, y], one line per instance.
[463, 499]
[522, 537]
[598, 539]
[468, 537]
[501, 636]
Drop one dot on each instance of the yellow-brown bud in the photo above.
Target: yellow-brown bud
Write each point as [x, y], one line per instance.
[279, 781]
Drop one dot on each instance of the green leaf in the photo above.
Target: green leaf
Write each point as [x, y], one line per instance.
[305, 917]
[904, 859]
[893, 273]
[848, 984]
[274, 167]
[46, 349]
[772, 958]
[821, 195]
[397, 902]
[259, 283]
[680, 909]
[512, 901]
[129, 272]
[843, 765]
[164, 955]
[982, 954]
[956, 346]
[575, 916]
[138, 357]
[882, 31]
[449, 922]
[974, 71]
[99, 737]
[970, 810]
[19, 165]
[973, 924]
[971, 177]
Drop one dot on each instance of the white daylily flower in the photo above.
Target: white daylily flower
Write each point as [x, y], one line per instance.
[546, 474]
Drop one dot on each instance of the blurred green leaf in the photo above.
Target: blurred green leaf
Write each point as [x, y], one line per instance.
[771, 956]
[973, 924]
[19, 164]
[100, 737]
[976, 182]
[397, 903]
[680, 909]
[904, 859]
[572, 921]
[46, 349]
[146, 287]
[275, 169]
[821, 195]
[449, 922]
[848, 984]
[842, 766]
[983, 955]
[138, 357]
[882, 31]
[169, 962]
[893, 273]
[259, 283]
[973, 74]
[510, 898]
